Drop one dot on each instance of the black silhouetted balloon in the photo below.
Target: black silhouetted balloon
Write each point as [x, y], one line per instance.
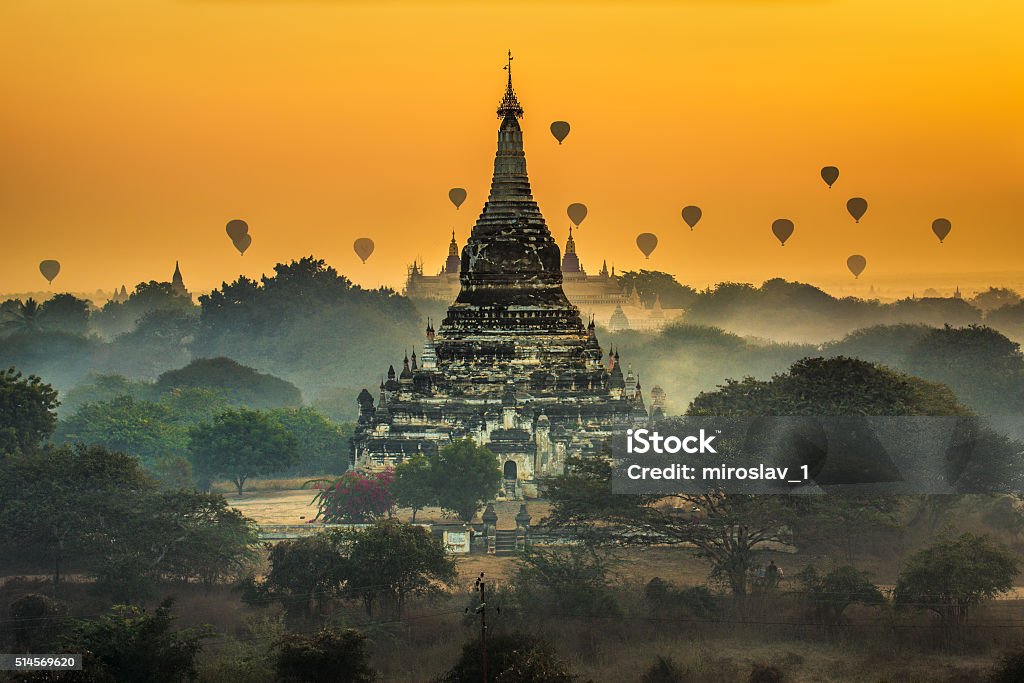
[856, 264]
[830, 174]
[577, 212]
[647, 242]
[560, 129]
[363, 248]
[941, 228]
[237, 228]
[782, 229]
[50, 269]
[242, 243]
[857, 207]
[691, 214]
[457, 195]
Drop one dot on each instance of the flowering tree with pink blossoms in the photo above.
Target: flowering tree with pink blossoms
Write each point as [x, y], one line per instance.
[354, 497]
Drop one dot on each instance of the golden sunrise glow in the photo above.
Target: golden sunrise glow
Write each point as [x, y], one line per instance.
[133, 130]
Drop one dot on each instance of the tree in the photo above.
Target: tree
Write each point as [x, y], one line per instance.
[100, 387]
[654, 284]
[566, 582]
[883, 344]
[953, 575]
[354, 497]
[465, 477]
[54, 504]
[65, 313]
[511, 658]
[240, 444]
[837, 386]
[323, 445]
[729, 529]
[981, 365]
[159, 342]
[270, 324]
[130, 645]
[26, 318]
[180, 535]
[146, 430]
[995, 297]
[329, 655]
[830, 594]
[413, 485]
[27, 411]
[390, 562]
[304, 572]
[118, 318]
[240, 385]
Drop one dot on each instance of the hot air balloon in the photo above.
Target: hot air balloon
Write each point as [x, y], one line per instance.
[577, 212]
[242, 243]
[691, 214]
[856, 264]
[941, 228]
[560, 129]
[830, 174]
[50, 269]
[237, 228]
[363, 248]
[857, 207]
[457, 195]
[783, 229]
[647, 241]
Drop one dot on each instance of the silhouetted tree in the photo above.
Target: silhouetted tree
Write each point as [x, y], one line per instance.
[27, 411]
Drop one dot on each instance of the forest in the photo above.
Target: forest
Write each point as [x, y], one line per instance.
[146, 447]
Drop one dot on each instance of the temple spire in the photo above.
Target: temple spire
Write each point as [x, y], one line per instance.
[509, 103]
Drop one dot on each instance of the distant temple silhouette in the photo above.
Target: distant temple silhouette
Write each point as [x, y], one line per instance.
[602, 296]
[121, 295]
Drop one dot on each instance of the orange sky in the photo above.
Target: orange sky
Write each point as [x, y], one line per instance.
[132, 130]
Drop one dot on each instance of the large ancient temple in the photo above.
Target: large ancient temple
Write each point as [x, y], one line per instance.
[512, 365]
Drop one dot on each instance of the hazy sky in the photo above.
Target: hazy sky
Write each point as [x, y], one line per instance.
[133, 130]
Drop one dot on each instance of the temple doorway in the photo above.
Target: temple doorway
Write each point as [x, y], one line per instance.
[511, 470]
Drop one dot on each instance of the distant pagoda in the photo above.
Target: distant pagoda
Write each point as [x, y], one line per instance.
[512, 366]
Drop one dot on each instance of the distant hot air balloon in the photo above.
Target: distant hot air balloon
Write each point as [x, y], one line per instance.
[856, 264]
[647, 241]
[457, 195]
[560, 129]
[830, 174]
[941, 228]
[242, 243]
[577, 212]
[692, 214]
[236, 228]
[50, 269]
[857, 207]
[363, 248]
[783, 229]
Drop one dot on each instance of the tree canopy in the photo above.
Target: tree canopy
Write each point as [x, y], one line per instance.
[27, 411]
[240, 444]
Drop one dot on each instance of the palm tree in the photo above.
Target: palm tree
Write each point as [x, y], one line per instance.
[28, 317]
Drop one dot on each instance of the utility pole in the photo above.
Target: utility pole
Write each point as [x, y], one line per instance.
[482, 610]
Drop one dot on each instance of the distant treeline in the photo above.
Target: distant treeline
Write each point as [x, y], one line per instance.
[315, 329]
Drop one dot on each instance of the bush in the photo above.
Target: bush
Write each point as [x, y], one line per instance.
[36, 622]
[1010, 669]
[664, 670]
[511, 658]
[765, 673]
[332, 654]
